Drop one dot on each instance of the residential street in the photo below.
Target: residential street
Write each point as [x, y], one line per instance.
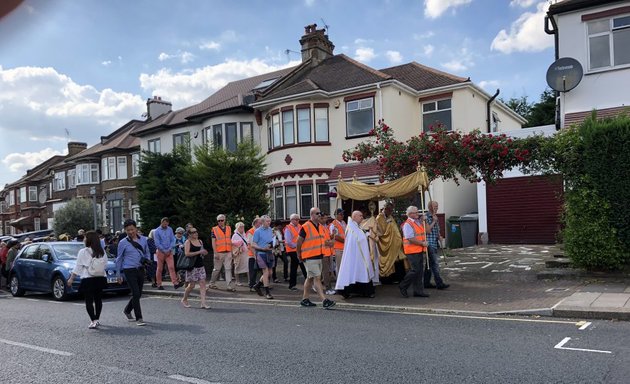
[42, 341]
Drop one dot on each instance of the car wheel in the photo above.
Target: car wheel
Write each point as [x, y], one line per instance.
[14, 284]
[59, 288]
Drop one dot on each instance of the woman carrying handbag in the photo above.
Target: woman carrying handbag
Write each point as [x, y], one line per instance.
[90, 267]
[195, 271]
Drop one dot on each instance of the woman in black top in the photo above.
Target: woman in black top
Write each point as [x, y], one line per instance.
[193, 247]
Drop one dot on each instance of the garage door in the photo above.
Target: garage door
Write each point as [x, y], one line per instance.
[524, 210]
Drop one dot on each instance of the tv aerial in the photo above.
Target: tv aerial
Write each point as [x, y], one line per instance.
[564, 74]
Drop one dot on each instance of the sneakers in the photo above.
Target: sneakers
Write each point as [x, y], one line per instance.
[293, 288]
[258, 288]
[328, 304]
[178, 285]
[140, 323]
[92, 325]
[204, 306]
[443, 286]
[307, 303]
[331, 292]
[154, 285]
[268, 296]
[98, 323]
[160, 288]
[128, 316]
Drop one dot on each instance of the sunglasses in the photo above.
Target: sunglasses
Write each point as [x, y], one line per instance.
[193, 232]
[318, 213]
[220, 220]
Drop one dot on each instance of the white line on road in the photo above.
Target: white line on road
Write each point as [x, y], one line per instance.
[35, 347]
[561, 344]
[584, 326]
[193, 380]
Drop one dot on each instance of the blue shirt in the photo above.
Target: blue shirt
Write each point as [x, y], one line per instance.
[263, 237]
[164, 239]
[434, 234]
[129, 256]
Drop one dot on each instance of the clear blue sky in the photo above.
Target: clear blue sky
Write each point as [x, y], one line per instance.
[88, 66]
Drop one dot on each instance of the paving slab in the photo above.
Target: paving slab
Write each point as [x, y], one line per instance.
[611, 300]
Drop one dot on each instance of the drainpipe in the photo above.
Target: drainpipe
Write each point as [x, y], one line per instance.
[556, 37]
[489, 121]
[380, 101]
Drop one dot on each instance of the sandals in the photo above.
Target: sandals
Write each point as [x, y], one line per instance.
[185, 303]
[205, 306]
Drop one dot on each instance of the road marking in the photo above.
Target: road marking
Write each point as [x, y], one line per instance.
[364, 308]
[193, 380]
[584, 326]
[561, 344]
[35, 347]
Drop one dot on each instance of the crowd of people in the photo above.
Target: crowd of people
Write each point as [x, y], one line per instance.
[334, 257]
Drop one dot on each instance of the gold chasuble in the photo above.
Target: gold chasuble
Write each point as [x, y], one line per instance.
[389, 244]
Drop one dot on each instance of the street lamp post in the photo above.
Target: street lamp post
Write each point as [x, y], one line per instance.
[93, 193]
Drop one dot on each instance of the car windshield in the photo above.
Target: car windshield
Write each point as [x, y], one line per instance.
[67, 251]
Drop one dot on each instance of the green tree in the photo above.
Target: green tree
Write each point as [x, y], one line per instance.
[159, 186]
[77, 214]
[519, 105]
[221, 181]
[541, 113]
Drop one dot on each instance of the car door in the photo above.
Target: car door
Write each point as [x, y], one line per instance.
[43, 269]
[27, 267]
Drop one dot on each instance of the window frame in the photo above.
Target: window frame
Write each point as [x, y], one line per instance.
[276, 199]
[23, 194]
[121, 167]
[275, 129]
[217, 136]
[348, 112]
[295, 197]
[285, 141]
[72, 178]
[135, 164]
[308, 125]
[234, 127]
[11, 197]
[250, 131]
[305, 208]
[154, 145]
[436, 110]
[315, 129]
[32, 188]
[610, 34]
[184, 137]
[323, 195]
[59, 181]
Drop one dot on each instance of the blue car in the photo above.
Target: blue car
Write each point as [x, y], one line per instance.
[46, 267]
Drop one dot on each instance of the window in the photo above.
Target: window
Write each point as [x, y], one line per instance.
[59, 181]
[322, 198]
[275, 126]
[288, 135]
[291, 194]
[111, 168]
[217, 136]
[247, 132]
[121, 161]
[37, 223]
[181, 139]
[279, 203]
[359, 117]
[32, 191]
[306, 200]
[608, 42]
[7, 227]
[270, 196]
[231, 139]
[72, 178]
[304, 125]
[135, 164]
[154, 146]
[88, 173]
[23, 195]
[321, 124]
[436, 113]
[11, 197]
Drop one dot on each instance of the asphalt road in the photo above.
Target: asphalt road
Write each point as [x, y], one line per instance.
[42, 341]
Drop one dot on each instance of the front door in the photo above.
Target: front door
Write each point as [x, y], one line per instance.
[115, 215]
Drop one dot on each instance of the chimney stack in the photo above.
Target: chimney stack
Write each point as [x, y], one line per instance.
[156, 107]
[75, 147]
[315, 45]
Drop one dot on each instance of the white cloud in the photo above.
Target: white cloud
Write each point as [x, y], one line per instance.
[428, 50]
[364, 55]
[210, 45]
[187, 57]
[309, 3]
[435, 8]
[361, 41]
[394, 57]
[106, 63]
[187, 87]
[526, 33]
[423, 36]
[21, 162]
[522, 3]
[164, 56]
[489, 85]
[455, 65]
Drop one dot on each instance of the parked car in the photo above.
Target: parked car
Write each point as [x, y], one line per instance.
[46, 267]
[33, 234]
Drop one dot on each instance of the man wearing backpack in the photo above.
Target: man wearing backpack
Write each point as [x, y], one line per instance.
[133, 254]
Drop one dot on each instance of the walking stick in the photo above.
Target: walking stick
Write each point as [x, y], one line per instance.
[425, 254]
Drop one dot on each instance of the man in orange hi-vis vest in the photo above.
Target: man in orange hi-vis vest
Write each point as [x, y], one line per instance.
[222, 247]
[291, 234]
[310, 249]
[414, 245]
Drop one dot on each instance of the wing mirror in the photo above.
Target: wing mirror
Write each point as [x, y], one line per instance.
[46, 257]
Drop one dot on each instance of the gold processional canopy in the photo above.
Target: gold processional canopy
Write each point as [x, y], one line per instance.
[404, 186]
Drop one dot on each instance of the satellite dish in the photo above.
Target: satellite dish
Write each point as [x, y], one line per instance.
[42, 196]
[564, 74]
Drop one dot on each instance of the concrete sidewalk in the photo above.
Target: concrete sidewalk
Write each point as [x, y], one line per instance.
[485, 280]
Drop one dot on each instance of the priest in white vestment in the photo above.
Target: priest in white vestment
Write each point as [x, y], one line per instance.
[356, 273]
